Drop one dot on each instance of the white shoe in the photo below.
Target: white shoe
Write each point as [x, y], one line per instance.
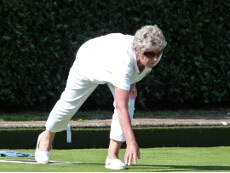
[41, 157]
[114, 164]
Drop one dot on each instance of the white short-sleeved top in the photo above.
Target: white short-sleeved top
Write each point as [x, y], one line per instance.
[110, 59]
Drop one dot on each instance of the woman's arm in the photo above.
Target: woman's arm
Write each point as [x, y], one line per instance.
[133, 91]
[121, 103]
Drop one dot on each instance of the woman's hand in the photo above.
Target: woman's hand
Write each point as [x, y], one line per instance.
[133, 91]
[132, 153]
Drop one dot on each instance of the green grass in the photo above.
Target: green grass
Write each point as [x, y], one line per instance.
[212, 159]
[99, 114]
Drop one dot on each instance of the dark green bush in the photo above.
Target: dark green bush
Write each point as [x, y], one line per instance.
[199, 136]
[39, 41]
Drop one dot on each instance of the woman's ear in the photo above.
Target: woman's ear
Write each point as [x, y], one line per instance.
[135, 50]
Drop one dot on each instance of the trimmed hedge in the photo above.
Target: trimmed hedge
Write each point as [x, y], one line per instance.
[39, 41]
[199, 136]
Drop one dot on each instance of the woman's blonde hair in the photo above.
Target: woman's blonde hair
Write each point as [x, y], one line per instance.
[149, 37]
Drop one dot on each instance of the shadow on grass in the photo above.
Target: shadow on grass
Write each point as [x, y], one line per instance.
[142, 167]
[169, 168]
[183, 167]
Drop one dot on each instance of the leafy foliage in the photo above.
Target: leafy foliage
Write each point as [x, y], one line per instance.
[147, 137]
[39, 41]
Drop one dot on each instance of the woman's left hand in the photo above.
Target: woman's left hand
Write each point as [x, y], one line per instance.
[133, 91]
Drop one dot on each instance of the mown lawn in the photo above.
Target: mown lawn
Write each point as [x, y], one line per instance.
[211, 159]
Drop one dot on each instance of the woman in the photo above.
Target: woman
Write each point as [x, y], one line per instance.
[116, 60]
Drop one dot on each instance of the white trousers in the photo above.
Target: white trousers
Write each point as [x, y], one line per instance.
[78, 89]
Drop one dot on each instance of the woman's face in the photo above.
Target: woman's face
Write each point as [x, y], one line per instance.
[149, 58]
